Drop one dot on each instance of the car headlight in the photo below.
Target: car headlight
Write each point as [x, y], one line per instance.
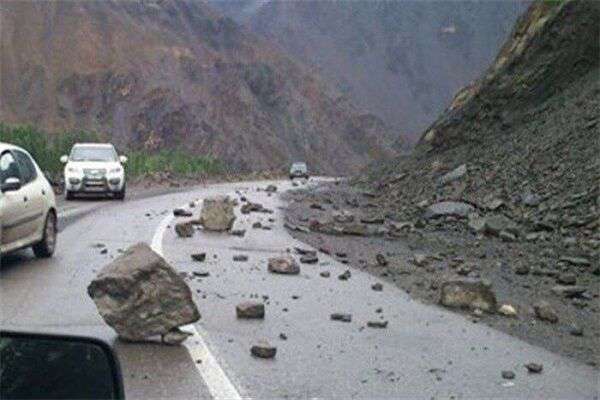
[115, 170]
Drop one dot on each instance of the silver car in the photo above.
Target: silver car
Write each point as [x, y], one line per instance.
[299, 170]
[27, 204]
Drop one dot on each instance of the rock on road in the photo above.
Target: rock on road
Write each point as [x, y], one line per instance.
[423, 351]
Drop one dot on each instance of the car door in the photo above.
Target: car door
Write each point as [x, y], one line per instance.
[12, 204]
[33, 195]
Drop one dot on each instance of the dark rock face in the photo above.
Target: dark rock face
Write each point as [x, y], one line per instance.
[199, 81]
[139, 295]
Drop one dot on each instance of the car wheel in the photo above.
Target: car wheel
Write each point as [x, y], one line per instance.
[120, 195]
[68, 195]
[45, 248]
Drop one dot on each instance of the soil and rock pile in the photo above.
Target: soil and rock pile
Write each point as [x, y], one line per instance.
[504, 186]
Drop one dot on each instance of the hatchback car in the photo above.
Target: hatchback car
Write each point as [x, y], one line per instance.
[299, 170]
[27, 204]
[94, 168]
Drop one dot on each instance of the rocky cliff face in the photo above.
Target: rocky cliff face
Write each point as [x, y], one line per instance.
[153, 74]
[402, 60]
[523, 139]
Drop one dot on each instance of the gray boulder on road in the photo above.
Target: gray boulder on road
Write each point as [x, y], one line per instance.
[217, 214]
[140, 295]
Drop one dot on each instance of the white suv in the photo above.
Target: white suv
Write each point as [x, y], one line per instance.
[27, 204]
[94, 168]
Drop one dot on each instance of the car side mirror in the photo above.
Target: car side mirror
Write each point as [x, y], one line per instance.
[10, 185]
[123, 159]
[64, 159]
[57, 367]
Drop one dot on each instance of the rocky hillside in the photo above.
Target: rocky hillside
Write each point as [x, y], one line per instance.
[504, 189]
[526, 132]
[154, 74]
[401, 60]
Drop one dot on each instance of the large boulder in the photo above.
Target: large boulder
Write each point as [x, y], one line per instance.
[140, 295]
[217, 214]
[466, 293]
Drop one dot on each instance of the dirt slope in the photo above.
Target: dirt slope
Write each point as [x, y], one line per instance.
[172, 73]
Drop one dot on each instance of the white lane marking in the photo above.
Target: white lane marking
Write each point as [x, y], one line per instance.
[218, 383]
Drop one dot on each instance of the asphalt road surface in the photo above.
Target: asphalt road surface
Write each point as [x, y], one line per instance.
[425, 351]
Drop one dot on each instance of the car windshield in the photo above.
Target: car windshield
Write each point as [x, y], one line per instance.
[299, 166]
[93, 154]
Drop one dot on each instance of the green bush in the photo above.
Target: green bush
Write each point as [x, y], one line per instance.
[48, 148]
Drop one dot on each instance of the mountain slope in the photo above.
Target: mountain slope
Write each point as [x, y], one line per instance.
[402, 60]
[527, 131]
[172, 73]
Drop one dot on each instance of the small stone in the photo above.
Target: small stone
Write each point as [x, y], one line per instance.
[507, 310]
[271, 189]
[532, 200]
[507, 236]
[309, 259]
[184, 229]
[454, 175]
[447, 208]
[420, 260]
[377, 324]
[325, 274]
[534, 368]
[577, 261]
[250, 310]
[472, 294]
[522, 269]
[240, 258]
[345, 275]
[200, 257]
[575, 330]
[568, 291]
[283, 336]
[180, 212]
[238, 232]
[544, 311]
[201, 274]
[567, 278]
[381, 260]
[263, 350]
[378, 287]
[508, 375]
[104, 251]
[283, 265]
[257, 225]
[341, 317]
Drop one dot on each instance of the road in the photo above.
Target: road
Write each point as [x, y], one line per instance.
[425, 352]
